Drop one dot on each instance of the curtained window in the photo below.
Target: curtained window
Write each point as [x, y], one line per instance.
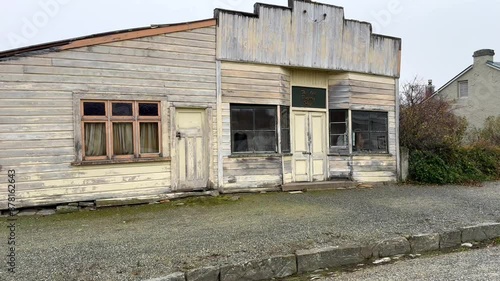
[120, 129]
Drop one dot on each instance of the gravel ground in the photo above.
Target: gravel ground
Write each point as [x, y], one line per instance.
[136, 243]
[477, 265]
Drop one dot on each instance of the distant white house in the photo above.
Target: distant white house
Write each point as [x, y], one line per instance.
[475, 91]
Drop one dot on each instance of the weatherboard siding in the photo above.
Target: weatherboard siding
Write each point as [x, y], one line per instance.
[38, 120]
[363, 92]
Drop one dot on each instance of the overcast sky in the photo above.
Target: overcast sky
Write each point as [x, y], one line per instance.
[439, 36]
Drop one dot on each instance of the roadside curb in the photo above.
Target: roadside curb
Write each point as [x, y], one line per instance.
[303, 261]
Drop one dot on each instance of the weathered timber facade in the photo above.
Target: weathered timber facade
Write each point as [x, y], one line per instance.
[243, 102]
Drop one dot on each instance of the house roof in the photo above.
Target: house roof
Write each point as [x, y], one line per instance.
[108, 37]
[495, 65]
[452, 80]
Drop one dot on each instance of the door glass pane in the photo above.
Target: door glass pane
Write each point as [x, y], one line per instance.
[123, 139]
[241, 119]
[148, 109]
[95, 139]
[122, 109]
[265, 119]
[243, 141]
[265, 141]
[94, 109]
[149, 138]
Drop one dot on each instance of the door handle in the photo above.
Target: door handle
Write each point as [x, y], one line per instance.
[307, 153]
[178, 135]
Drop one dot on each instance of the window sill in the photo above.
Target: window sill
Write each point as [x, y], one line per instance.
[360, 154]
[121, 161]
[248, 155]
[371, 154]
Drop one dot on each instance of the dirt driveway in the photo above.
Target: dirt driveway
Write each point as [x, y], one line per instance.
[136, 243]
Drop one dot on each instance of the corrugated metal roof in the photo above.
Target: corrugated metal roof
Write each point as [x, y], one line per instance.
[108, 36]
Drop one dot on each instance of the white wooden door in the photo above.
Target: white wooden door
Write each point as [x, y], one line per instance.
[309, 146]
[192, 164]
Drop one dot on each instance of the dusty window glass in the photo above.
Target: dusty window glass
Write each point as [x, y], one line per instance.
[338, 128]
[285, 129]
[370, 132]
[94, 108]
[253, 129]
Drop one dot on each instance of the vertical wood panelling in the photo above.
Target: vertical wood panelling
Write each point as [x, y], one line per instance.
[309, 35]
[37, 124]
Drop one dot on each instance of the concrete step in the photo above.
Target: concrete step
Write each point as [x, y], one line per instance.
[315, 186]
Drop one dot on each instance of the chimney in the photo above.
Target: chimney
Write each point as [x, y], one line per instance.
[429, 89]
[483, 56]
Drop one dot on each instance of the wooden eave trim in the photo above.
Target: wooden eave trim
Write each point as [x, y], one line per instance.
[137, 34]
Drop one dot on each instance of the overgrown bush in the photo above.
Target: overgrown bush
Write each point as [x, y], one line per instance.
[428, 124]
[459, 166]
[489, 135]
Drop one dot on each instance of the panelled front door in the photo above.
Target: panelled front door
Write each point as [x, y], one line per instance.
[309, 146]
[191, 145]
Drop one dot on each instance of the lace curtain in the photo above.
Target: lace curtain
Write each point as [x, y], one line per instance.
[95, 139]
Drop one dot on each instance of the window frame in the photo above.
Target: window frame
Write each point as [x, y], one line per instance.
[460, 83]
[330, 134]
[253, 107]
[109, 119]
[285, 132]
[370, 132]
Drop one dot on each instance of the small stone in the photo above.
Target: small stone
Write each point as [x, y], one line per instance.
[234, 198]
[384, 260]
[65, 209]
[27, 212]
[86, 204]
[164, 201]
[414, 256]
[361, 265]
[467, 245]
[73, 204]
[263, 192]
[296, 192]
[46, 212]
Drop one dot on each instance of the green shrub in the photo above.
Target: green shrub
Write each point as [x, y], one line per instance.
[459, 165]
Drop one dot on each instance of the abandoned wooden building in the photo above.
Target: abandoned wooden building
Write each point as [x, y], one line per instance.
[240, 102]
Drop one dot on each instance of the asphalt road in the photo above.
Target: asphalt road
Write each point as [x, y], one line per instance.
[137, 243]
[476, 265]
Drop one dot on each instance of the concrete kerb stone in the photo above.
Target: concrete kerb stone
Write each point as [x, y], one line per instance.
[391, 247]
[177, 276]
[275, 267]
[450, 239]
[330, 257]
[309, 260]
[211, 273]
[424, 242]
